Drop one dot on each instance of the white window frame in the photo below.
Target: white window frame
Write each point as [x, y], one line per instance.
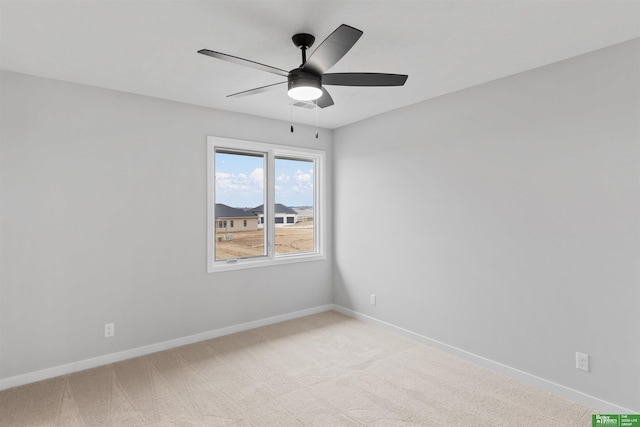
[271, 151]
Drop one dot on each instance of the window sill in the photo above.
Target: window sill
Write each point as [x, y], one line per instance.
[246, 263]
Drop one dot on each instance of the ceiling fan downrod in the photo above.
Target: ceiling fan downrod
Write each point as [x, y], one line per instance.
[303, 41]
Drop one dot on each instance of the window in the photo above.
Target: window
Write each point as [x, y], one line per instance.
[277, 192]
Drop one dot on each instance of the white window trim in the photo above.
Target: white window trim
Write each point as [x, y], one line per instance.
[272, 151]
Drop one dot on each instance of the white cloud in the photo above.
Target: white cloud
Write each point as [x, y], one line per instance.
[283, 178]
[240, 181]
[241, 189]
[257, 177]
[303, 181]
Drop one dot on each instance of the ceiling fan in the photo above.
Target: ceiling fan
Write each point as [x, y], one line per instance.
[306, 83]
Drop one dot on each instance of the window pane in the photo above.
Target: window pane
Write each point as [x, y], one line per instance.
[294, 209]
[239, 189]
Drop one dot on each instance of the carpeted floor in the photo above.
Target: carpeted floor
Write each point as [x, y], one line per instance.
[327, 370]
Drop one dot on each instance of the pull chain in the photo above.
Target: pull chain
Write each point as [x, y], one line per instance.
[316, 103]
[291, 121]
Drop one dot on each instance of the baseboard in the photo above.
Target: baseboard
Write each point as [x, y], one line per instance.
[599, 405]
[81, 365]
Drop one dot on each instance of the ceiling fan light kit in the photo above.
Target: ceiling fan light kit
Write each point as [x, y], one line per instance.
[304, 86]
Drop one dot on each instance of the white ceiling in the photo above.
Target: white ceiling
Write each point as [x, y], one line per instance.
[149, 47]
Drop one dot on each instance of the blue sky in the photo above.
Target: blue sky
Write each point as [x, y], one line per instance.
[240, 181]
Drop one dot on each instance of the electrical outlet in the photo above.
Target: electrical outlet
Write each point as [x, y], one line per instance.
[582, 361]
[372, 299]
[109, 330]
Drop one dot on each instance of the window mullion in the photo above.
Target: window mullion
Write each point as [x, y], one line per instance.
[270, 205]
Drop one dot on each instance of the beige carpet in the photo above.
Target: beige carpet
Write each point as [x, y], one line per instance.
[325, 370]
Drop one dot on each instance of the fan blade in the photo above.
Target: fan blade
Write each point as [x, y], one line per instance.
[325, 100]
[245, 62]
[332, 49]
[254, 91]
[364, 79]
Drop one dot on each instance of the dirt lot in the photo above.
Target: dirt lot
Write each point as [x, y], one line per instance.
[295, 238]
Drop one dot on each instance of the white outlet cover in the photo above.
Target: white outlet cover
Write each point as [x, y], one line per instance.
[582, 361]
[109, 330]
[372, 299]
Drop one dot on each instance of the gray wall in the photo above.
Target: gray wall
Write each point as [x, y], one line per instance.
[103, 219]
[524, 195]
